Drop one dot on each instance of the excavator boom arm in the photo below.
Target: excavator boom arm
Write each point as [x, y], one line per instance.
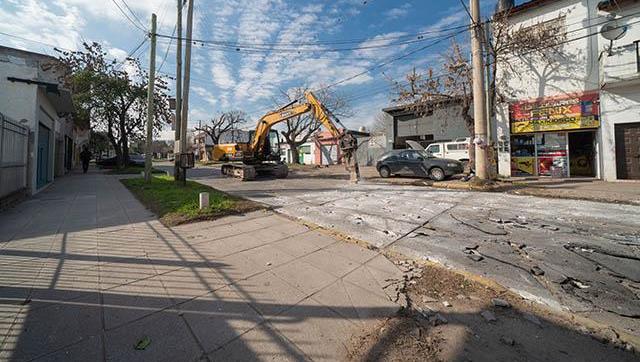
[269, 120]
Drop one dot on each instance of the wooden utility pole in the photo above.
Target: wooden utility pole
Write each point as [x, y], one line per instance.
[487, 80]
[479, 95]
[152, 79]
[184, 120]
[178, 125]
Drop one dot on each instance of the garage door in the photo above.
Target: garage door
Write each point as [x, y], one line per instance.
[628, 151]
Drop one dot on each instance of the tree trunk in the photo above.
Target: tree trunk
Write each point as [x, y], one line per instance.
[469, 122]
[116, 148]
[124, 143]
[125, 151]
[295, 155]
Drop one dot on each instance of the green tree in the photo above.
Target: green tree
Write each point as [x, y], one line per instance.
[112, 97]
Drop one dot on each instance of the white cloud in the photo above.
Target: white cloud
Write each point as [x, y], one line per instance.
[398, 12]
[380, 46]
[56, 24]
[117, 53]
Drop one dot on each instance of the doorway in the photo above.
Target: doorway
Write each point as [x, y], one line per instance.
[628, 151]
[582, 154]
[42, 171]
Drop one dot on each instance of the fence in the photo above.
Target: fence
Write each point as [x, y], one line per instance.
[13, 156]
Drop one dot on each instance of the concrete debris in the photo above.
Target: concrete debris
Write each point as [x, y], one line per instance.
[575, 283]
[447, 304]
[610, 335]
[474, 255]
[461, 297]
[472, 247]
[488, 316]
[269, 264]
[418, 233]
[579, 284]
[508, 341]
[535, 270]
[549, 227]
[426, 299]
[497, 302]
[396, 288]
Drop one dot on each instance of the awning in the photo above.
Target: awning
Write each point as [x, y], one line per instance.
[59, 97]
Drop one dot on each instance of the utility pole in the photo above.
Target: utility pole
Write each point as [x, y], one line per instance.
[487, 77]
[479, 95]
[152, 79]
[178, 126]
[184, 120]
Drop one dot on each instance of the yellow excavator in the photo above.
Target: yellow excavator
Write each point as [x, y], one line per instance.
[258, 156]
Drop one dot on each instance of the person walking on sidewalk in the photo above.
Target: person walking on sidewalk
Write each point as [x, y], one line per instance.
[85, 157]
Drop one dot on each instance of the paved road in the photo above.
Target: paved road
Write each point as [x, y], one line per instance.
[86, 273]
[585, 256]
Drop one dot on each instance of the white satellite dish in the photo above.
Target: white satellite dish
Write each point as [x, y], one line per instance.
[613, 30]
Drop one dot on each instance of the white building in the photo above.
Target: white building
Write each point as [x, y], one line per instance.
[31, 98]
[578, 115]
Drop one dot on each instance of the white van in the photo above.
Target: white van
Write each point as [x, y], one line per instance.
[457, 149]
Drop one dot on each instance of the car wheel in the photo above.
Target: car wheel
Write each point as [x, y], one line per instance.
[384, 172]
[437, 174]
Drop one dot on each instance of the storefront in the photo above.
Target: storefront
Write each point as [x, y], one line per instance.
[555, 137]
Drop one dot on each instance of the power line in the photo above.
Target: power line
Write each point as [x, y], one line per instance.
[249, 49]
[128, 17]
[166, 53]
[236, 44]
[133, 13]
[380, 65]
[132, 52]
[491, 63]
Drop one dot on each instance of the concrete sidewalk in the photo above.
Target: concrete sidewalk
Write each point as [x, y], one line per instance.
[86, 273]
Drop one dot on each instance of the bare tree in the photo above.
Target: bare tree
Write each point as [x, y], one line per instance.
[379, 125]
[298, 130]
[224, 122]
[537, 43]
[423, 92]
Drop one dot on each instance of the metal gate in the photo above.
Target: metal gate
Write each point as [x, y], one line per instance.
[628, 150]
[13, 156]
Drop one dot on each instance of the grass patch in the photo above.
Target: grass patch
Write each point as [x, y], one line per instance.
[132, 170]
[176, 204]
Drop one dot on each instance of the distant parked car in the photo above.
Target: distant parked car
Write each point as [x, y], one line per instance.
[135, 159]
[417, 163]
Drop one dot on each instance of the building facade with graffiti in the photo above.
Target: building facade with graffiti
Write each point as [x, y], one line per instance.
[577, 114]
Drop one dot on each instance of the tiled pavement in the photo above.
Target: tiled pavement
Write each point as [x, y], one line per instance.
[86, 272]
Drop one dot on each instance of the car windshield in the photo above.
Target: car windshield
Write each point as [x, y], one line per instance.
[426, 154]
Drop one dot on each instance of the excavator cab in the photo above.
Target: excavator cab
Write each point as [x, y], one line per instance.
[271, 148]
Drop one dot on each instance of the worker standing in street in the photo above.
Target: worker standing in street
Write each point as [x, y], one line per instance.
[85, 157]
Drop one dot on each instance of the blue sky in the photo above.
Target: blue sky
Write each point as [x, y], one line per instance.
[267, 34]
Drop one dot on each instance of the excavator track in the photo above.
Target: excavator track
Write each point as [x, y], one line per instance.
[238, 170]
[249, 172]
